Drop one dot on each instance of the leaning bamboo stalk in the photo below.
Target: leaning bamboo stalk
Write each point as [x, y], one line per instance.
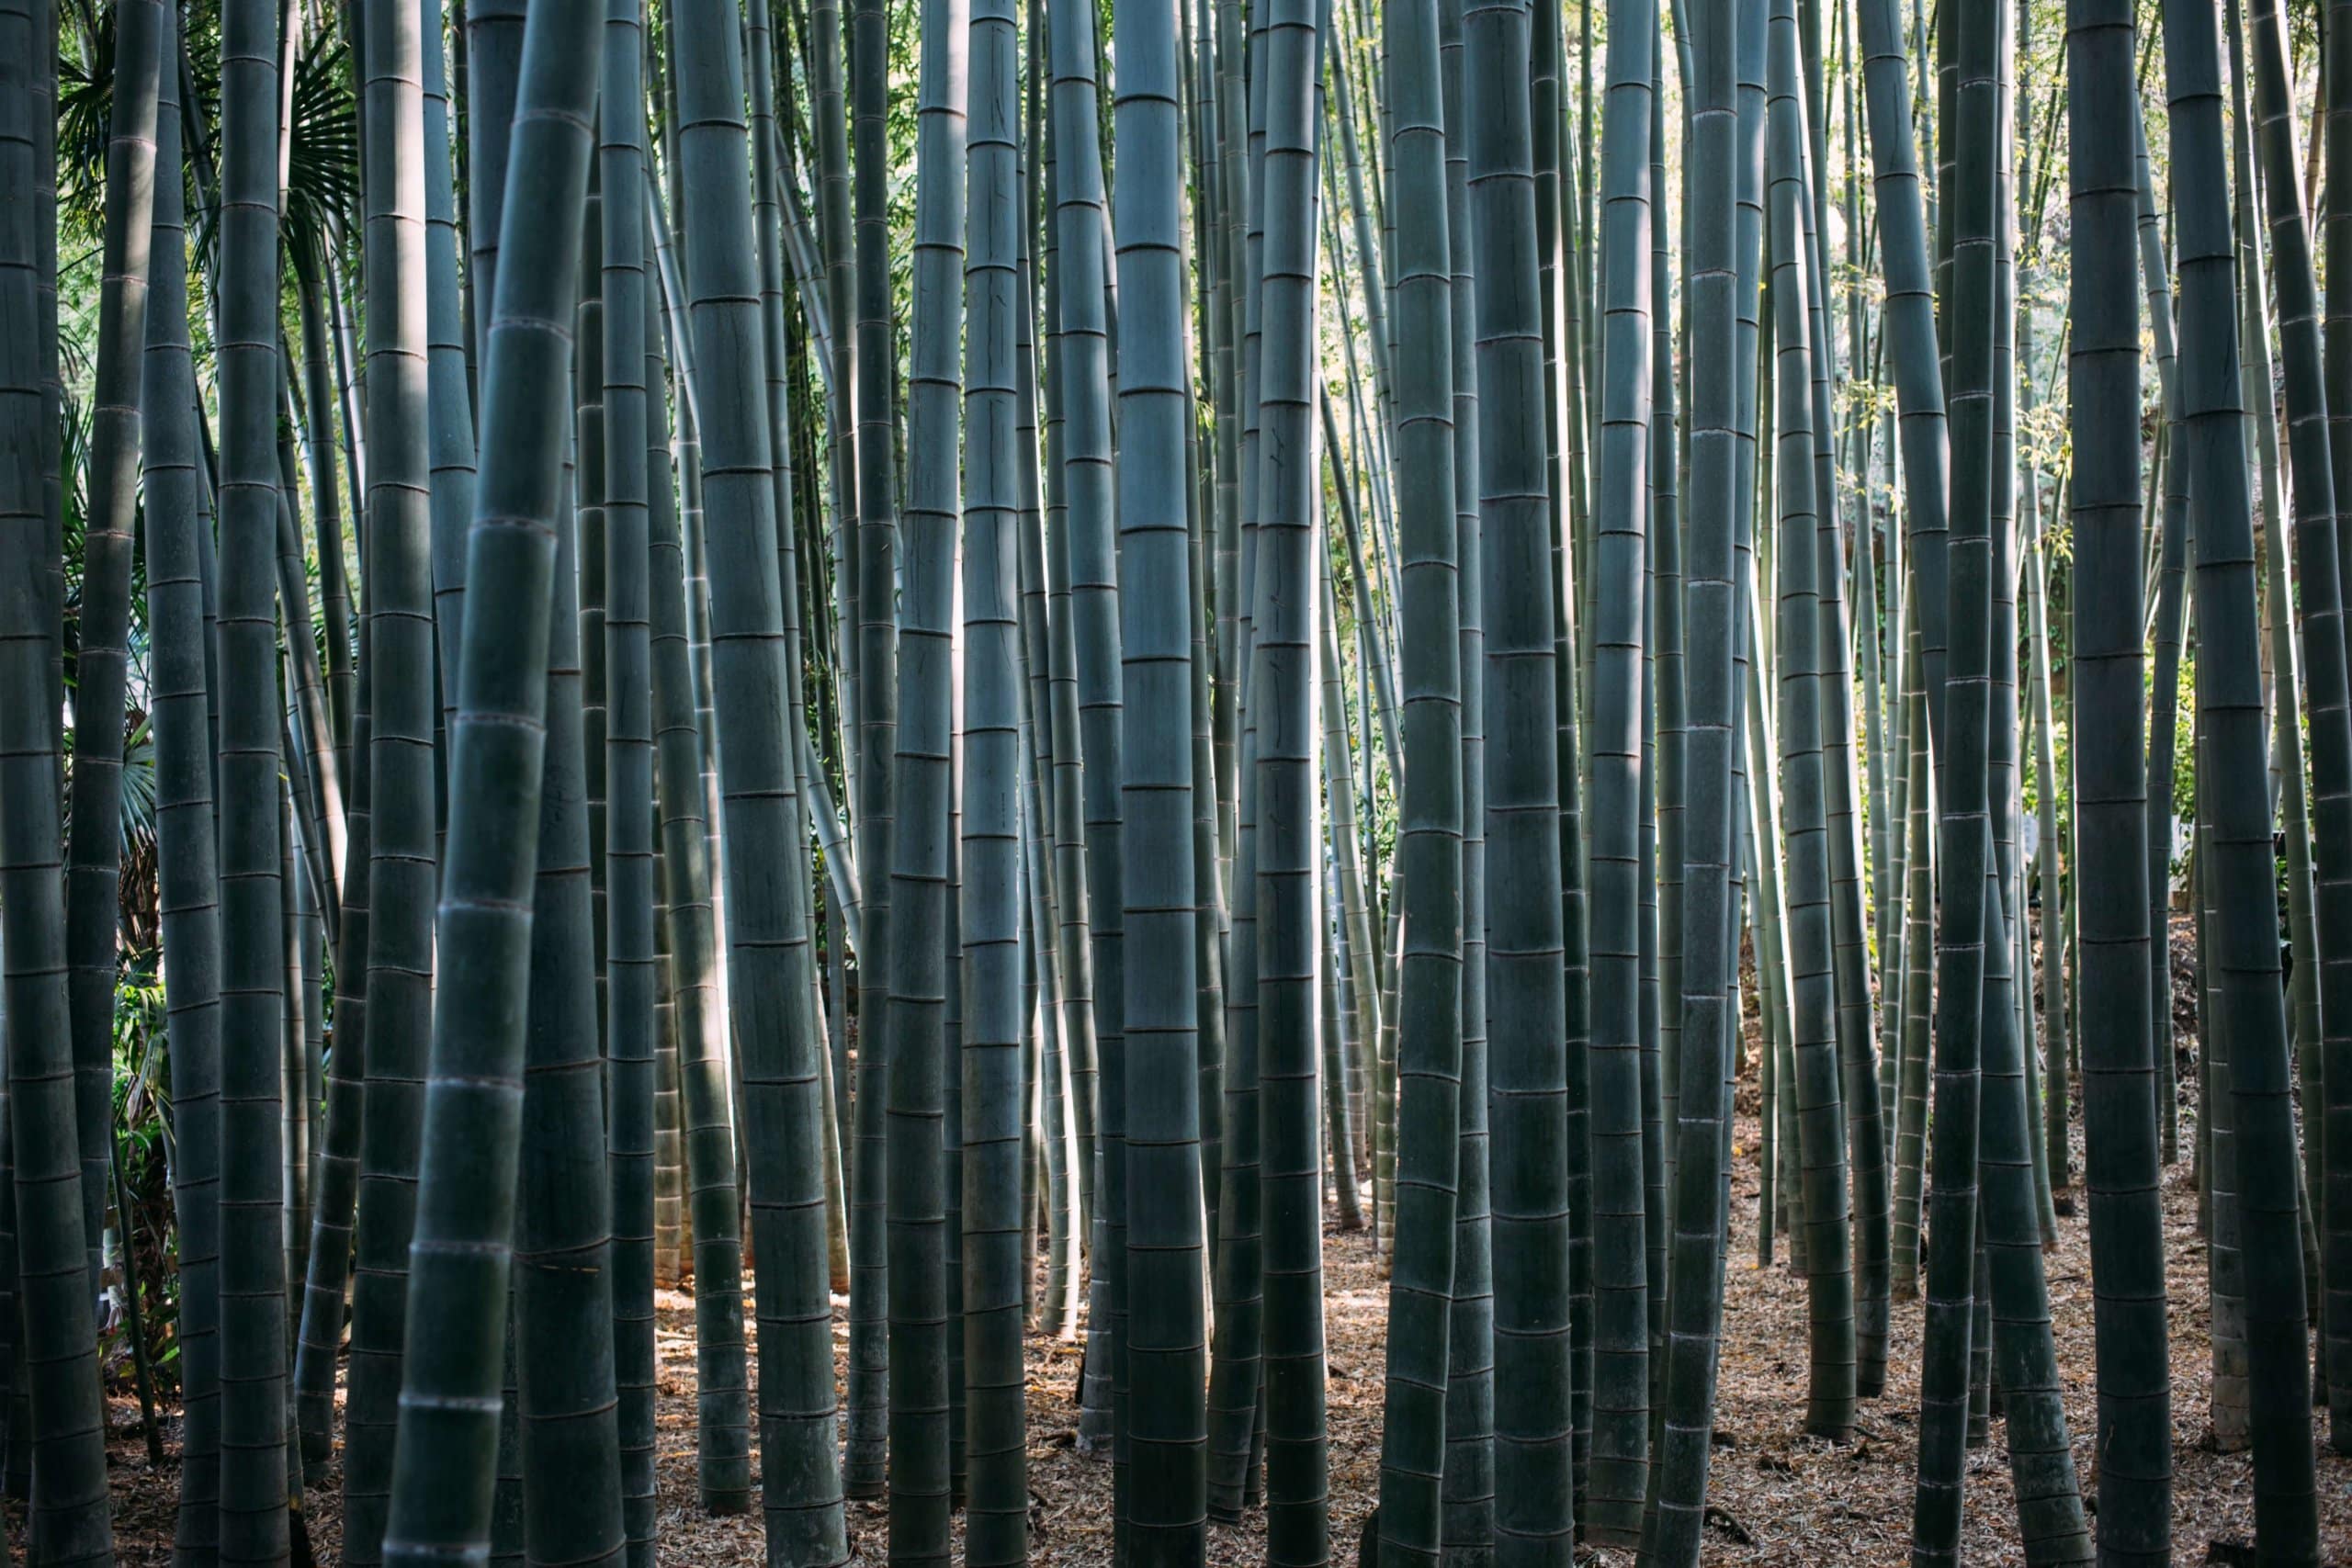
[441, 1489]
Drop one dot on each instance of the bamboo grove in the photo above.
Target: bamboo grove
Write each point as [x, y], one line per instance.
[971, 674]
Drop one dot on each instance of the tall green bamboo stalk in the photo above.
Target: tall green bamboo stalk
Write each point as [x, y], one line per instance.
[874, 597]
[1430, 814]
[876, 734]
[2054, 857]
[566, 1398]
[1806, 789]
[1081, 231]
[920, 808]
[1968, 925]
[2110, 793]
[1165, 1413]
[773, 969]
[94, 842]
[722, 1406]
[2163, 703]
[2230, 768]
[1710, 957]
[830, 126]
[632, 975]
[1909, 325]
[1467, 1524]
[187, 885]
[997, 1519]
[2335, 219]
[1918, 942]
[2320, 620]
[66, 1430]
[443, 1471]
[401, 717]
[1866, 1136]
[1280, 697]
[1620, 1371]
[252, 1298]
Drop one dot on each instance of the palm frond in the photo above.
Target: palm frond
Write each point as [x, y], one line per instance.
[322, 154]
[84, 109]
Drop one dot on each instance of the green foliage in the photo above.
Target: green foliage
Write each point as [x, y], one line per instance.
[143, 1137]
[322, 149]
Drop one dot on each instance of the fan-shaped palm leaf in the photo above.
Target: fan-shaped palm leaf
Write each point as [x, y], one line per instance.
[322, 153]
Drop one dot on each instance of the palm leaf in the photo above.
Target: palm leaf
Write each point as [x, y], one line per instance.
[322, 154]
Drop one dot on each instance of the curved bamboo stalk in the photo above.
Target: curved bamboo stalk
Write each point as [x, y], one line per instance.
[334, 585]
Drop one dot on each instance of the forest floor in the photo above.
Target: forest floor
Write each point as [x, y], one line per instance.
[1780, 1497]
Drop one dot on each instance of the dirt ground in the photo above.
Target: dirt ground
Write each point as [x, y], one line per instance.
[1783, 1498]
